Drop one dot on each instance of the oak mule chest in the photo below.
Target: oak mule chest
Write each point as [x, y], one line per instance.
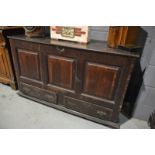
[85, 80]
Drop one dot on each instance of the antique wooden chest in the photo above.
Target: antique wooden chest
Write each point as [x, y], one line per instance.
[85, 80]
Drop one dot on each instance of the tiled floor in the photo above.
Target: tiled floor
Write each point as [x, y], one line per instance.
[17, 112]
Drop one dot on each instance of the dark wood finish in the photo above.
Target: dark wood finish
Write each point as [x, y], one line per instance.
[29, 64]
[60, 71]
[7, 75]
[44, 94]
[101, 121]
[100, 80]
[83, 106]
[86, 80]
[130, 35]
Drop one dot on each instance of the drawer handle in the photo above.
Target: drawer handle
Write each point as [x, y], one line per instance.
[26, 89]
[101, 113]
[49, 96]
[60, 49]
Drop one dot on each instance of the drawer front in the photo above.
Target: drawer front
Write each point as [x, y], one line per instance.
[87, 108]
[38, 93]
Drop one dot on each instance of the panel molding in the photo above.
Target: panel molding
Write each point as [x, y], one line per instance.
[61, 71]
[29, 64]
[100, 80]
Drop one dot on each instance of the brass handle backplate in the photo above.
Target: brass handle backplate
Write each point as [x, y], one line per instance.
[101, 113]
[60, 49]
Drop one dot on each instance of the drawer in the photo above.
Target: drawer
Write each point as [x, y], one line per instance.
[38, 93]
[87, 108]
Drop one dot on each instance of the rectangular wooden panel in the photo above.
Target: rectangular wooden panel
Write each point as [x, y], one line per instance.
[39, 93]
[2, 66]
[87, 108]
[60, 71]
[29, 64]
[3, 63]
[100, 80]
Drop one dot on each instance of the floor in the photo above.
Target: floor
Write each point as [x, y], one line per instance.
[19, 113]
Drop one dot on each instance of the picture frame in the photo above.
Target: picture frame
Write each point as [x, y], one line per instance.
[70, 33]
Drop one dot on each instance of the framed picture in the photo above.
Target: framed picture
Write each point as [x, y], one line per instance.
[70, 33]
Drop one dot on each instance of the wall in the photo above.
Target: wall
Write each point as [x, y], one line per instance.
[99, 33]
[145, 103]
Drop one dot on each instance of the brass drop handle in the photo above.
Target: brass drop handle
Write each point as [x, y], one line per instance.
[101, 113]
[60, 49]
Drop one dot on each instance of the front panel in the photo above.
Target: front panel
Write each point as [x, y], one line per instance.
[100, 80]
[88, 108]
[61, 71]
[29, 65]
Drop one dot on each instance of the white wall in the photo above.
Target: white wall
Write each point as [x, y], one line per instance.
[99, 32]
